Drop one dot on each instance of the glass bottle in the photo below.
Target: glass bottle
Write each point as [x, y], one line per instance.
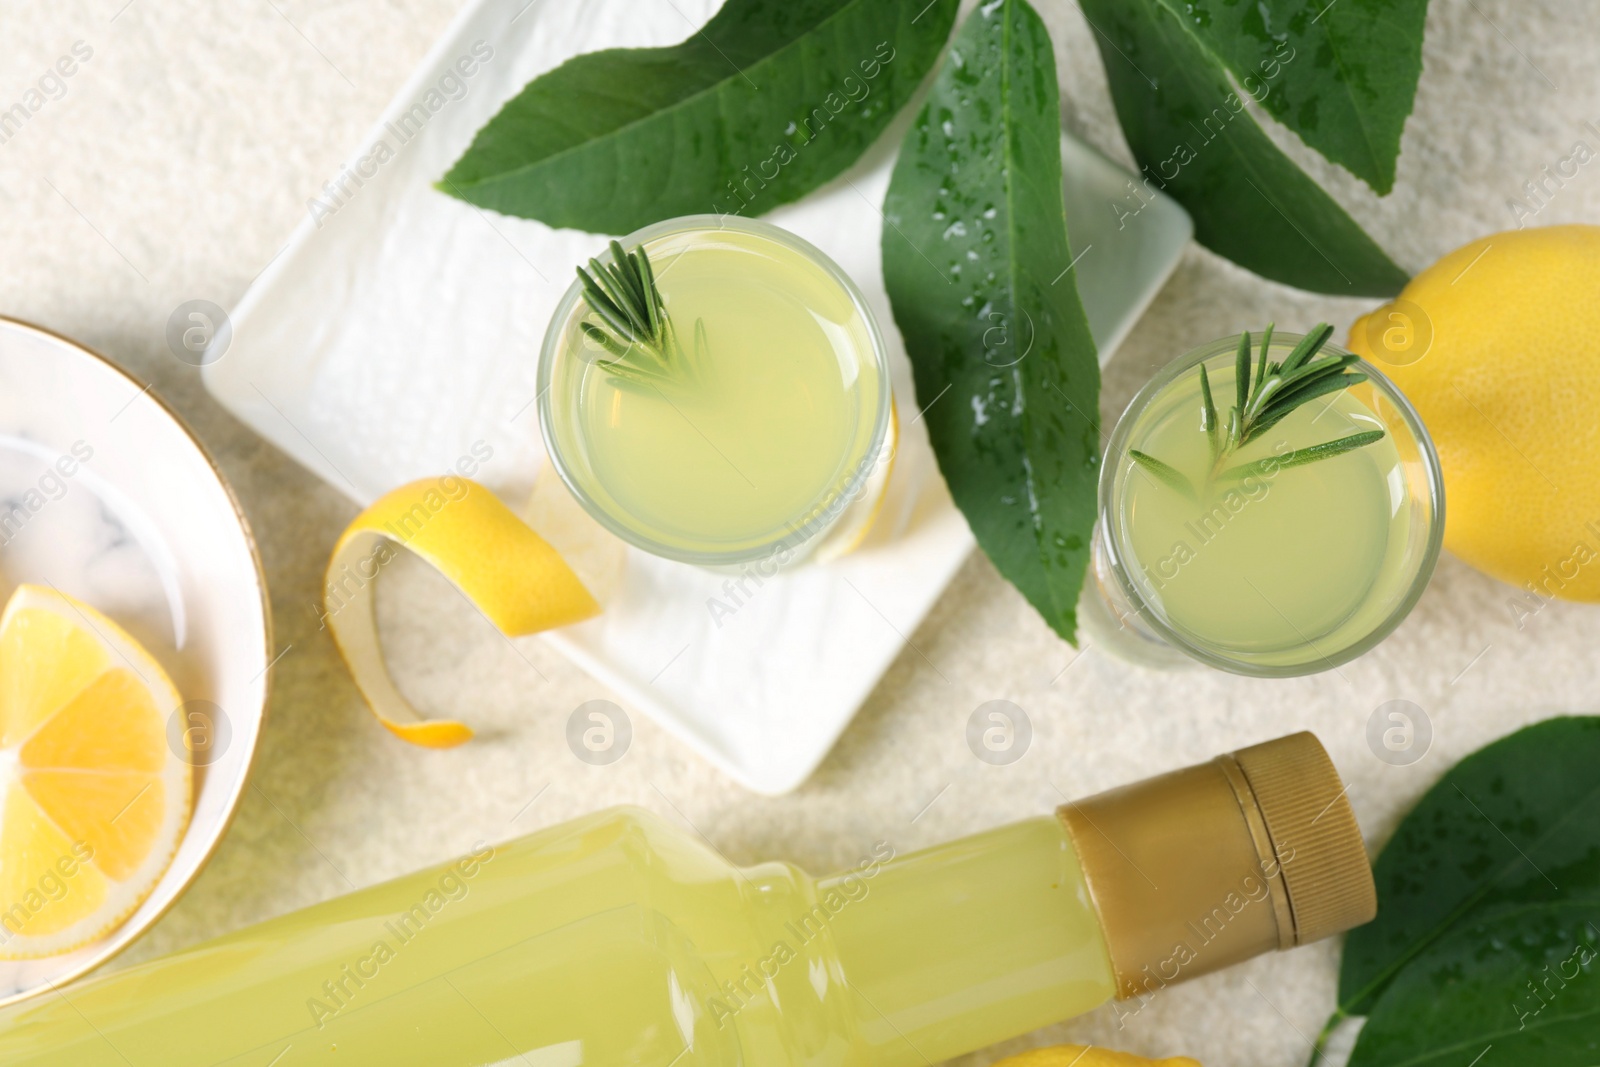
[618, 939]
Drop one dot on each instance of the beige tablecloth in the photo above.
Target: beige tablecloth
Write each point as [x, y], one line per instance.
[183, 153]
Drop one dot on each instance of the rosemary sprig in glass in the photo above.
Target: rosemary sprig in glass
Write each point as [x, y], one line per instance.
[634, 329]
[1265, 394]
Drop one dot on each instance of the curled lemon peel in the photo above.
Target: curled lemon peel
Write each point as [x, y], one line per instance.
[467, 534]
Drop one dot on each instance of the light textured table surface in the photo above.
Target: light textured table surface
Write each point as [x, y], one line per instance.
[181, 156]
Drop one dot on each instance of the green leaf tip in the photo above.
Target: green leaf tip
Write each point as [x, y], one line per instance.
[1190, 130]
[580, 146]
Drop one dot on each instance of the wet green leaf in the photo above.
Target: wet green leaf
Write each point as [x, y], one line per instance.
[978, 269]
[1519, 985]
[1341, 75]
[1194, 138]
[1514, 824]
[767, 101]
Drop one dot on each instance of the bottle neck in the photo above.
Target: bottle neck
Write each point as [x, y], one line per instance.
[957, 947]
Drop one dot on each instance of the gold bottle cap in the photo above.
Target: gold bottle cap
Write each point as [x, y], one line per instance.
[1201, 868]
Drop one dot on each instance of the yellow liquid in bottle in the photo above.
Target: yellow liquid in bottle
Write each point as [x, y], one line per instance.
[973, 942]
[618, 940]
[778, 419]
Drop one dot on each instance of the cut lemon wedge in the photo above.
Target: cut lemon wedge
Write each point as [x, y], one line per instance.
[93, 799]
[859, 519]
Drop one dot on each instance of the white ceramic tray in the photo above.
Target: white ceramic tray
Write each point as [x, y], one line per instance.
[400, 328]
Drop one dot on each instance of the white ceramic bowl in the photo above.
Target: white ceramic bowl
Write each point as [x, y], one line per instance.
[147, 531]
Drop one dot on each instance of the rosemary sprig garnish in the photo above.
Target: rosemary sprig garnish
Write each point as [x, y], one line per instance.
[1272, 464]
[1261, 402]
[1171, 476]
[634, 329]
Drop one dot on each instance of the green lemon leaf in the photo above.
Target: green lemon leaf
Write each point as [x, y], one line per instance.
[1341, 75]
[1194, 138]
[1516, 823]
[1523, 981]
[978, 269]
[769, 100]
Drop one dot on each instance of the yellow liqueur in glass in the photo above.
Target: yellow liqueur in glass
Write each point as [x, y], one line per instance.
[714, 390]
[1284, 549]
[621, 940]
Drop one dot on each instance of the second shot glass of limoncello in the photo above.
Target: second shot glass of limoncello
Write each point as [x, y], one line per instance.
[715, 390]
[1269, 505]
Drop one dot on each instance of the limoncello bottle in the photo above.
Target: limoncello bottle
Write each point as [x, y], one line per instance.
[618, 939]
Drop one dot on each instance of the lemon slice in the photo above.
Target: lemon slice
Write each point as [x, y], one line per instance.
[93, 800]
[859, 519]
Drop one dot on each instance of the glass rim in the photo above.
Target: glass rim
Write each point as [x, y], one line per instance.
[781, 542]
[1150, 616]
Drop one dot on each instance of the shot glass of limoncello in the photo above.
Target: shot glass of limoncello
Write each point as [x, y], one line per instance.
[715, 390]
[1277, 525]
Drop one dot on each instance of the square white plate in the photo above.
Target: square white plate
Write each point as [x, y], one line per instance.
[399, 327]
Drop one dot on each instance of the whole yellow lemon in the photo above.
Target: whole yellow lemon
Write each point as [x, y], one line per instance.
[1498, 347]
[1088, 1056]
